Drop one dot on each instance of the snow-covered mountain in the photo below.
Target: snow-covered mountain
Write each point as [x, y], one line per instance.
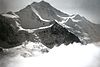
[40, 22]
[46, 11]
[39, 14]
[29, 19]
[37, 28]
[49, 36]
[87, 32]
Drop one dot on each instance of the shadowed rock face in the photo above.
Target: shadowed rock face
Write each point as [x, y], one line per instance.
[29, 20]
[56, 35]
[46, 11]
[84, 29]
[9, 34]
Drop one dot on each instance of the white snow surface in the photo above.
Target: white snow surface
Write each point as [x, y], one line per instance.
[62, 23]
[10, 16]
[62, 17]
[65, 19]
[73, 55]
[31, 30]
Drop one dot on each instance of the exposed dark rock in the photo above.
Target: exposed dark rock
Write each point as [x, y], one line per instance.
[1, 50]
[9, 34]
[87, 31]
[56, 35]
[78, 27]
[29, 20]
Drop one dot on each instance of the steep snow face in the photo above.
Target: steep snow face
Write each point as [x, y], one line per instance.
[73, 55]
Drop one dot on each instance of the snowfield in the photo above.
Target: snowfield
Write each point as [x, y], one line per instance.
[73, 55]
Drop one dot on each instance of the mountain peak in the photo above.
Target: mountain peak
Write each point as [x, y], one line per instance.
[34, 2]
[42, 3]
[77, 17]
[69, 20]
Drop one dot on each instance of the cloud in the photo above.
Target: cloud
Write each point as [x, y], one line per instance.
[73, 55]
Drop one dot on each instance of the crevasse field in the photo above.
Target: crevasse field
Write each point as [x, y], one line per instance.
[73, 55]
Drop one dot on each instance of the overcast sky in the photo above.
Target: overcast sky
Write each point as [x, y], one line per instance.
[88, 8]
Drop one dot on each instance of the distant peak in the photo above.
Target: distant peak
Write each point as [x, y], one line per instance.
[10, 12]
[77, 16]
[43, 1]
[34, 2]
[69, 20]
